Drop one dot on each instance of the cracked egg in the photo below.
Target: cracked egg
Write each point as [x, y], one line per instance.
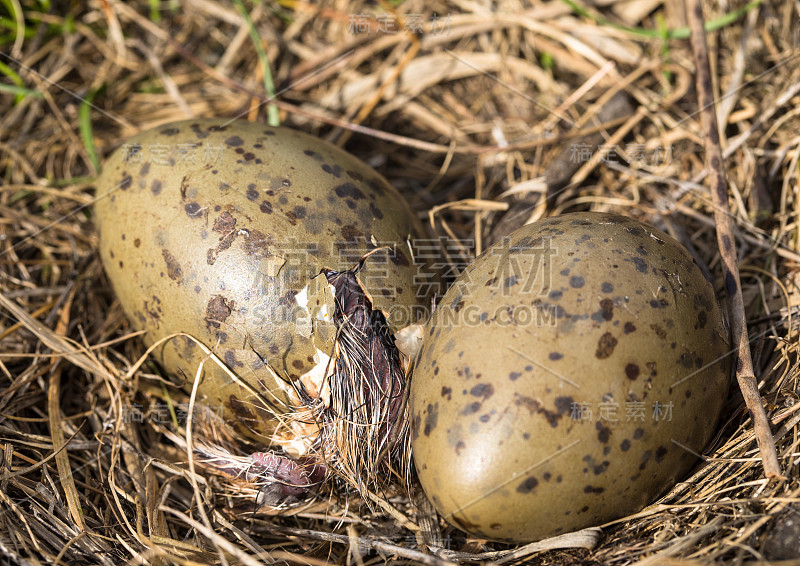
[272, 248]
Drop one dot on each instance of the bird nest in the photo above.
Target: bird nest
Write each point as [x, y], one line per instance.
[485, 116]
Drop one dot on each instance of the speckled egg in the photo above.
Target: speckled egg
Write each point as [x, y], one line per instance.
[221, 229]
[570, 376]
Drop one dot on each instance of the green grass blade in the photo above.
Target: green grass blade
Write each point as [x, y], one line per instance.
[20, 91]
[14, 78]
[678, 33]
[273, 118]
[155, 12]
[85, 121]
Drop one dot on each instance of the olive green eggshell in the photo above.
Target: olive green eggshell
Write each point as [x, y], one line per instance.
[214, 227]
[569, 376]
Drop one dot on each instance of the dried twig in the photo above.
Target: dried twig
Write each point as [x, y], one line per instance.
[727, 245]
[56, 431]
[561, 169]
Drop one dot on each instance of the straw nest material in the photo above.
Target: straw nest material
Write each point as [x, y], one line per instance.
[485, 116]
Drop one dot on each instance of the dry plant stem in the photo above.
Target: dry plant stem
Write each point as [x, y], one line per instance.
[379, 92]
[727, 246]
[560, 171]
[56, 430]
[52, 340]
[190, 454]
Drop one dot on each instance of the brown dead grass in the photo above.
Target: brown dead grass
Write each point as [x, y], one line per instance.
[455, 117]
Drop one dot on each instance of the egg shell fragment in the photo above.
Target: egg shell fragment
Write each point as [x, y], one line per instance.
[214, 227]
[569, 376]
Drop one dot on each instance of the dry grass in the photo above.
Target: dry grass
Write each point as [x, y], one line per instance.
[478, 106]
